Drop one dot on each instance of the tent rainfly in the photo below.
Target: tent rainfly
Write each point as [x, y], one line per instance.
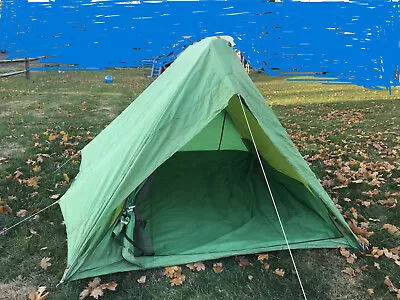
[175, 177]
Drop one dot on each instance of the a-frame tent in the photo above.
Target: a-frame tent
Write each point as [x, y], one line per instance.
[181, 159]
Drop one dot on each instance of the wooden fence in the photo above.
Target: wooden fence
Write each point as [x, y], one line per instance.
[25, 71]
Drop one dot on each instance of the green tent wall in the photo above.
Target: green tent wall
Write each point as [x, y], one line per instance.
[207, 198]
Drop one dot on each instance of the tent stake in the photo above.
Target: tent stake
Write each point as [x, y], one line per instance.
[272, 197]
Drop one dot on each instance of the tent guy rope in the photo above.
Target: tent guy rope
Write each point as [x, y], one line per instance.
[273, 200]
[5, 230]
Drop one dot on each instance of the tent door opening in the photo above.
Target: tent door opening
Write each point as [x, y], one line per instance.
[216, 201]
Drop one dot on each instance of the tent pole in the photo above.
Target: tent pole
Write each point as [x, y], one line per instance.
[222, 131]
[273, 200]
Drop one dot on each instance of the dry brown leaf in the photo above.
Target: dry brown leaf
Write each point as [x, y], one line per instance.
[370, 291]
[391, 228]
[22, 213]
[363, 240]
[36, 169]
[39, 294]
[390, 285]
[344, 252]
[111, 286]
[351, 258]
[376, 252]
[349, 271]
[96, 292]
[243, 261]
[142, 280]
[66, 178]
[218, 267]
[279, 272]
[52, 137]
[389, 254]
[178, 280]
[262, 257]
[359, 231]
[33, 181]
[364, 225]
[84, 294]
[5, 209]
[199, 266]
[388, 203]
[44, 263]
[173, 271]
[266, 266]
[94, 283]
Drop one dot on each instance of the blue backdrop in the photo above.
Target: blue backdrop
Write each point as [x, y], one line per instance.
[354, 41]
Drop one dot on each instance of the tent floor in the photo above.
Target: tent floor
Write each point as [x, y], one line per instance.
[215, 201]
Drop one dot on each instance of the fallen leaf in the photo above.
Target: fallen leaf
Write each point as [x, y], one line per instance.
[142, 280]
[349, 271]
[266, 266]
[22, 213]
[178, 280]
[55, 196]
[243, 261]
[199, 266]
[84, 294]
[173, 271]
[5, 209]
[389, 254]
[44, 263]
[388, 203]
[279, 272]
[262, 257]
[351, 258]
[359, 231]
[376, 265]
[376, 252]
[363, 240]
[96, 292]
[33, 181]
[390, 285]
[66, 178]
[39, 294]
[111, 286]
[250, 277]
[94, 283]
[370, 291]
[218, 267]
[52, 137]
[391, 228]
[344, 252]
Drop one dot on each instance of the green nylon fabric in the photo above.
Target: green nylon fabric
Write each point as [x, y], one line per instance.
[172, 111]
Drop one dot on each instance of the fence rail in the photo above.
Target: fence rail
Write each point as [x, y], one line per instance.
[26, 71]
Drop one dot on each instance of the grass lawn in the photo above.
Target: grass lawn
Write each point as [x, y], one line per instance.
[349, 135]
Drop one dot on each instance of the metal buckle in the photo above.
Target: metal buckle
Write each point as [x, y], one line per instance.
[125, 220]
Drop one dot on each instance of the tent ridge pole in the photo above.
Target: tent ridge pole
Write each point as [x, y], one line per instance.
[272, 197]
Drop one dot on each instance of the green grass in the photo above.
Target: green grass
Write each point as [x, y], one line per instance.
[332, 125]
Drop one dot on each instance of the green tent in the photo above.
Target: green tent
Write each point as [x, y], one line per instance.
[175, 177]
